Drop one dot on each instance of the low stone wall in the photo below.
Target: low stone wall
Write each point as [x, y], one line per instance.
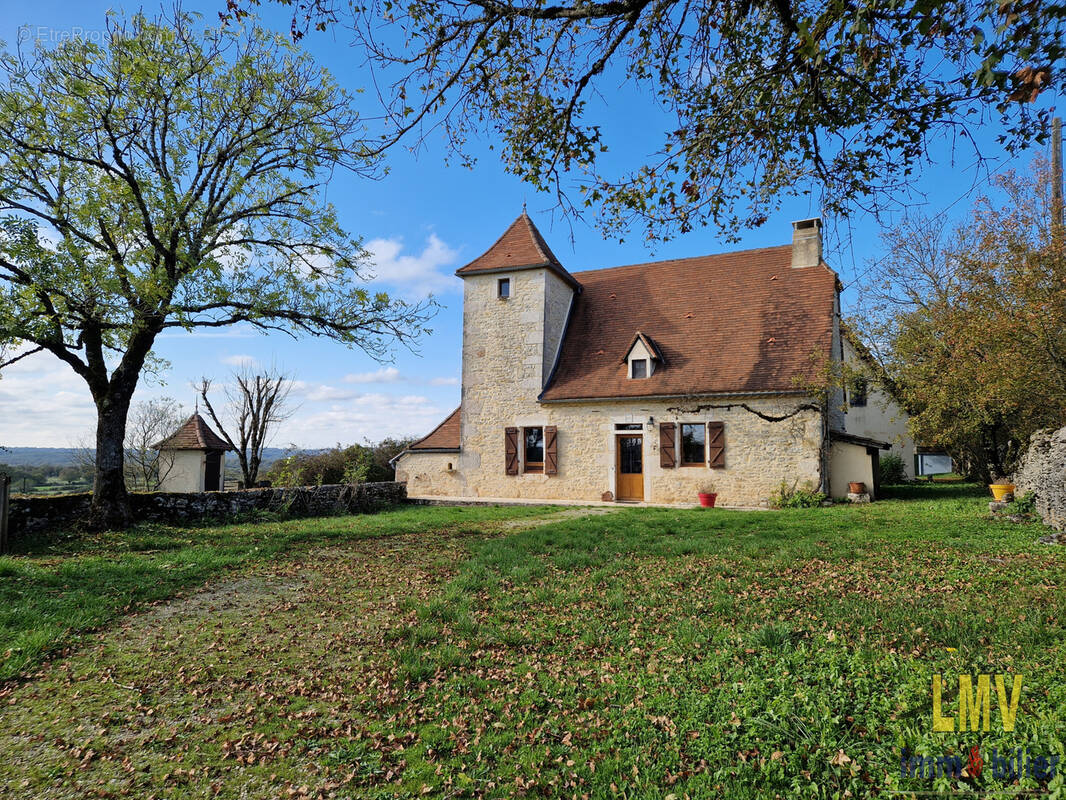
[1042, 471]
[40, 514]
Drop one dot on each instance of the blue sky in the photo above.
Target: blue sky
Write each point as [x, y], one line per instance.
[422, 221]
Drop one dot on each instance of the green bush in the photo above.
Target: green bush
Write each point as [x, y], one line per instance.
[891, 469]
[793, 497]
[353, 464]
[1022, 506]
[336, 465]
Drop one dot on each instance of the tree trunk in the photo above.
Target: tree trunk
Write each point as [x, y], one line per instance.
[111, 502]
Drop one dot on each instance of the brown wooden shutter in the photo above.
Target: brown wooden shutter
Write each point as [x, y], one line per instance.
[510, 451]
[667, 449]
[715, 444]
[551, 450]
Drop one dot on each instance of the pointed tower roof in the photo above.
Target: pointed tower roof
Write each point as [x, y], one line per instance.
[520, 247]
[195, 434]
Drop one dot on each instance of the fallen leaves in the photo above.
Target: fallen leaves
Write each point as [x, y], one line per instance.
[636, 667]
[840, 759]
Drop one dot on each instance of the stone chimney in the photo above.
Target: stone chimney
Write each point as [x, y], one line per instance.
[807, 242]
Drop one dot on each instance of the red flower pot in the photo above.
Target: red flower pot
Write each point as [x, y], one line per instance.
[857, 487]
[707, 499]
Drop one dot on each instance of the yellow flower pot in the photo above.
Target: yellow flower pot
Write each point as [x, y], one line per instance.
[1001, 490]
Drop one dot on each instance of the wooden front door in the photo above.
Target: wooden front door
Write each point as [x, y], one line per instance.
[629, 466]
[213, 471]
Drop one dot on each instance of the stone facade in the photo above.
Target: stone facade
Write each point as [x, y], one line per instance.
[509, 347]
[1042, 471]
[759, 455]
[40, 514]
[430, 474]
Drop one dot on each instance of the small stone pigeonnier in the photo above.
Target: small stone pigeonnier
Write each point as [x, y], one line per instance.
[192, 459]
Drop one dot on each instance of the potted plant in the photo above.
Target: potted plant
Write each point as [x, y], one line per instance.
[707, 495]
[857, 487]
[1002, 488]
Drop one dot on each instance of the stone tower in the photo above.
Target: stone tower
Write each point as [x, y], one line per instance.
[516, 300]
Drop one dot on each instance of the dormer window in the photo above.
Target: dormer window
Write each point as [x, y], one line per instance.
[642, 358]
[503, 288]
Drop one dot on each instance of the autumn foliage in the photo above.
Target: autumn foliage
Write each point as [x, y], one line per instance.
[971, 324]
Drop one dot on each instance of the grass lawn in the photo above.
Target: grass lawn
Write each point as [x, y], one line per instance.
[641, 653]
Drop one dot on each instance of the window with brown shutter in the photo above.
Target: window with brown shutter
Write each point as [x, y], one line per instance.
[551, 450]
[693, 444]
[533, 452]
[510, 451]
[667, 449]
[715, 444]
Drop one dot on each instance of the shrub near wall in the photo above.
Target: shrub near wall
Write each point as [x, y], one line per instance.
[41, 514]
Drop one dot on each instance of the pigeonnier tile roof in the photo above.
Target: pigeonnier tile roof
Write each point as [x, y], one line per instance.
[195, 434]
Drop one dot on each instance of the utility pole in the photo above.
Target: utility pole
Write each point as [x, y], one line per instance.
[1056, 180]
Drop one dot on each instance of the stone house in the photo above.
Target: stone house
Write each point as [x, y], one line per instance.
[192, 459]
[646, 383]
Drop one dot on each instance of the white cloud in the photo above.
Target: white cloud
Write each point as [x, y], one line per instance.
[428, 271]
[45, 405]
[320, 392]
[372, 416]
[240, 361]
[381, 375]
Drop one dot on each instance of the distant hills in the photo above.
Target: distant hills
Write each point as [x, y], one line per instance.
[66, 456]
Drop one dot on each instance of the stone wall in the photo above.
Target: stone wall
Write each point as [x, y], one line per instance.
[1042, 471]
[40, 514]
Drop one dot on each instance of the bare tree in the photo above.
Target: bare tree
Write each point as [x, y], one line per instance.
[257, 403]
[150, 422]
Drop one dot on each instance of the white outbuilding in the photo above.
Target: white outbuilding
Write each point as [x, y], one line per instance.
[192, 459]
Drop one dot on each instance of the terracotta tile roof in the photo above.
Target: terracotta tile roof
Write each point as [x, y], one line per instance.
[195, 434]
[444, 437]
[734, 323]
[520, 247]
